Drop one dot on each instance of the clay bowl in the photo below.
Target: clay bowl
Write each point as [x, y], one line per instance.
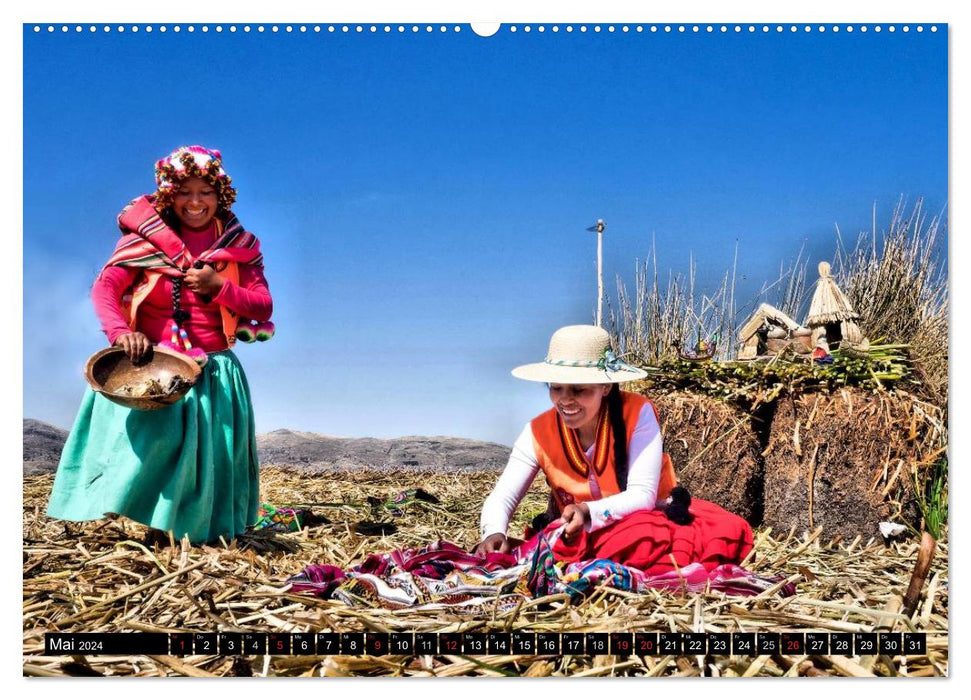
[108, 370]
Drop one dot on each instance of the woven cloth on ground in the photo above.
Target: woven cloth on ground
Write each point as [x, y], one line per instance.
[443, 575]
[281, 519]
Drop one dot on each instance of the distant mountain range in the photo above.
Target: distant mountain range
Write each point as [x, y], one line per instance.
[312, 452]
[42, 446]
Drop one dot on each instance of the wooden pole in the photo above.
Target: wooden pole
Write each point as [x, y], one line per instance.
[600, 271]
[925, 555]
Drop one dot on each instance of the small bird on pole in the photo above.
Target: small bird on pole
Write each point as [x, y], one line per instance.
[599, 228]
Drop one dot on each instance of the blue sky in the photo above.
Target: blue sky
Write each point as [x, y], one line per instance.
[422, 197]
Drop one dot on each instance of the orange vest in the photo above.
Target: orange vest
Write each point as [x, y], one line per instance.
[571, 476]
[146, 282]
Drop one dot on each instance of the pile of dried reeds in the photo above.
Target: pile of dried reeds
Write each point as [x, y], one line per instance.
[752, 383]
[98, 577]
[856, 453]
[845, 460]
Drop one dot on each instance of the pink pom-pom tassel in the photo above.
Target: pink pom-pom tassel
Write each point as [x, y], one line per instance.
[265, 331]
[245, 332]
[199, 355]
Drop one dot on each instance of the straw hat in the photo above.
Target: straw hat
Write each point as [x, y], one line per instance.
[579, 355]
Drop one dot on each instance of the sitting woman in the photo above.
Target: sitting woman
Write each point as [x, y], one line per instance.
[612, 485]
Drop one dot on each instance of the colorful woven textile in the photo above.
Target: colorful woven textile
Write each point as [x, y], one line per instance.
[443, 575]
[274, 519]
[148, 242]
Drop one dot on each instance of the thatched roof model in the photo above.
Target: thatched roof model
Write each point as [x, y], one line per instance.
[766, 312]
[829, 304]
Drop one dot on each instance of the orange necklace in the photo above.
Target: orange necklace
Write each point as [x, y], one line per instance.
[576, 456]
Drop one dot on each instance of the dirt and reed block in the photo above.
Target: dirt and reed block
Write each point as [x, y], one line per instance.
[845, 461]
[714, 450]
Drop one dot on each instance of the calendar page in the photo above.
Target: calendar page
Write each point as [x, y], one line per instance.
[533, 348]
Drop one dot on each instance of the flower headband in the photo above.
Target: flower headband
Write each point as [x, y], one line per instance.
[192, 161]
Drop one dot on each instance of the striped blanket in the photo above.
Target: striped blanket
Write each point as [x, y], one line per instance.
[148, 242]
[445, 576]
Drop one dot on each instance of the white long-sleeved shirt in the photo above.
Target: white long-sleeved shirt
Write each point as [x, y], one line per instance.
[644, 456]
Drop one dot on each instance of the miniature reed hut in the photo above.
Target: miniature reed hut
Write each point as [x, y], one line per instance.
[830, 313]
[769, 331]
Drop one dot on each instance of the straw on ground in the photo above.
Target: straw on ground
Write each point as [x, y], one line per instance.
[96, 577]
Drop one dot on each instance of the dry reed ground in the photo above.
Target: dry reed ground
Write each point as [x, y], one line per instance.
[97, 577]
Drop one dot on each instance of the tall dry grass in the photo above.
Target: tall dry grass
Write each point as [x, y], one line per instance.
[652, 321]
[650, 324]
[898, 284]
[897, 281]
[793, 297]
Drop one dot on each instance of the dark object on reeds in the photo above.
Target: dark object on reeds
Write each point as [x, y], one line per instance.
[313, 519]
[79, 669]
[369, 528]
[677, 509]
[423, 495]
[396, 503]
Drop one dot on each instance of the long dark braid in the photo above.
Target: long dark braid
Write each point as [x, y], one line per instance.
[677, 510]
[615, 411]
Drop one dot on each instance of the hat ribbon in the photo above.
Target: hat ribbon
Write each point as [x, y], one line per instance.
[609, 363]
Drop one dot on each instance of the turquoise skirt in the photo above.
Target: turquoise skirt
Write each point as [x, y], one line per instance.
[189, 468]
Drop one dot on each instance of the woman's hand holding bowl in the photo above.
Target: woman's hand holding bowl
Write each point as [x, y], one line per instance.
[134, 344]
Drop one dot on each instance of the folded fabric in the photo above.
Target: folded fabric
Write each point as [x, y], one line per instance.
[649, 541]
[280, 519]
[444, 576]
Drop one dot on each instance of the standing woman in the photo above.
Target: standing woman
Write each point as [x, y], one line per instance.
[184, 272]
[611, 483]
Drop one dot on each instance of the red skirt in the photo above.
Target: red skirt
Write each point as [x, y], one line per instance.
[648, 541]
